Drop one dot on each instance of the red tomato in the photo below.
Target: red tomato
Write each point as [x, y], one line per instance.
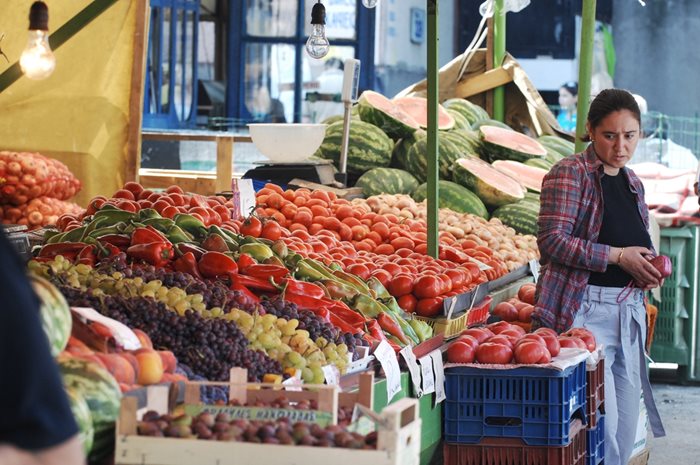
[480, 334]
[572, 342]
[525, 313]
[499, 326]
[505, 311]
[527, 293]
[471, 340]
[531, 337]
[401, 285]
[427, 286]
[529, 352]
[429, 307]
[551, 340]
[360, 270]
[460, 352]
[494, 353]
[383, 276]
[547, 358]
[174, 190]
[501, 339]
[408, 302]
[169, 211]
[124, 194]
[271, 230]
[585, 335]
[134, 187]
[252, 227]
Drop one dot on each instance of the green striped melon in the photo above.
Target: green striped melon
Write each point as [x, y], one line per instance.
[417, 107]
[386, 181]
[542, 163]
[332, 119]
[552, 155]
[95, 384]
[506, 144]
[521, 216]
[559, 144]
[489, 122]
[460, 121]
[369, 147]
[471, 111]
[55, 314]
[83, 417]
[529, 176]
[374, 108]
[493, 187]
[399, 155]
[417, 157]
[455, 197]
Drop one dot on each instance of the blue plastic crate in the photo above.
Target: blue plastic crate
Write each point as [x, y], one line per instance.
[533, 404]
[595, 443]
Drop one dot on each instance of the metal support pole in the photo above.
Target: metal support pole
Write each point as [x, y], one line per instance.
[585, 64]
[432, 148]
[499, 53]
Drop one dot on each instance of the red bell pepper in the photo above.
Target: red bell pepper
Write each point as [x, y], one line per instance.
[187, 263]
[215, 243]
[342, 324]
[182, 248]
[87, 256]
[257, 284]
[392, 327]
[347, 314]
[67, 249]
[108, 250]
[213, 264]
[122, 241]
[147, 235]
[248, 295]
[244, 261]
[266, 271]
[302, 288]
[156, 253]
[318, 306]
[375, 330]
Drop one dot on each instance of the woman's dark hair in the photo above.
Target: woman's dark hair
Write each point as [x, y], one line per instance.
[571, 87]
[609, 101]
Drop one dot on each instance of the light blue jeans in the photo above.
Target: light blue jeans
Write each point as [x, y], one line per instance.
[621, 329]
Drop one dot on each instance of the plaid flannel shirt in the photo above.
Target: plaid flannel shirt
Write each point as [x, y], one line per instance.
[571, 215]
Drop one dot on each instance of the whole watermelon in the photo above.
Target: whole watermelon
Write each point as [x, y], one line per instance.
[95, 384]
[368, 147]
[83, 417]
[386, 181]
[55, 314]
[455, 197]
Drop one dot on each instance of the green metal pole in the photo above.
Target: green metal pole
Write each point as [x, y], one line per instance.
[432, 148]
[585, 64]
[499, 53]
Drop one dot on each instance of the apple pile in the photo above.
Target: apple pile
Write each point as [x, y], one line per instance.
[503, 343]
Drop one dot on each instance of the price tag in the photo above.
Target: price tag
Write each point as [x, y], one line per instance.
[426, 367]
[535, 268]
[387, 358]
[332, 374]
[293, 383]
[413, 369]
[439, 371]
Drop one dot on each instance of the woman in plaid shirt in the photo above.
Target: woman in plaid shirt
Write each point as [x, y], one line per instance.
[593, 239]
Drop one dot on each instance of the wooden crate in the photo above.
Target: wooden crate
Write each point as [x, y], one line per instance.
[398, 441]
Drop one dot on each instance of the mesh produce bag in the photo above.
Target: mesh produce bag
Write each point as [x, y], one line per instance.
[38, 212]
[25, 176]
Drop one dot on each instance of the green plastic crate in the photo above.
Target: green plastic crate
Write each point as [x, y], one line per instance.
[691, 371]
[674, 338]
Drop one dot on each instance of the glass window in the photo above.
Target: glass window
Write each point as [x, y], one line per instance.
[340, 18]
[323, 84]
[268, 81]
[271, 18]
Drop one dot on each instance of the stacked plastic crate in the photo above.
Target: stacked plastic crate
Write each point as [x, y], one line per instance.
[523, 415]
[595, 410]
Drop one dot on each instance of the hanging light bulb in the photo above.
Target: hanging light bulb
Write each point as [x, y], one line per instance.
[370, 3]
[317, 46]
[37, 60]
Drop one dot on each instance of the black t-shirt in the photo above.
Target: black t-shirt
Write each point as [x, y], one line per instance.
[34, 411]
[622, 227]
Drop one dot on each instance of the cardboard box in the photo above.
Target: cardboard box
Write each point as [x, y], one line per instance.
[640, 459]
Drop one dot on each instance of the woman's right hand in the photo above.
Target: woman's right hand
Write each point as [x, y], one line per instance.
[635, 261]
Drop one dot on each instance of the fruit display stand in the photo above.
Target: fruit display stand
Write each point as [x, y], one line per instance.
[398, 441]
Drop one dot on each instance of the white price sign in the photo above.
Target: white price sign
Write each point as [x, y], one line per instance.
[390, 364]
[439, 371]
[413, 369]
[426, 367]
[332, 374]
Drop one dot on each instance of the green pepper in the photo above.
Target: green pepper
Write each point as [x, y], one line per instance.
[175, 234]
[353, 280]
[114, 216]
[422, 329]
[280, 249]
[74, 235]
[229, 238]
[309, 270]
[117, 228]
[146, 213]
[274, 260]
[190, 224]
[371, 308]
[292, 259]
[232, 235]
[338, 290]
[161, 224]
[259, 252]
[378, 288]
[94, 224]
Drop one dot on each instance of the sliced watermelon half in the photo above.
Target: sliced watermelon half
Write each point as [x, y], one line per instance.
[529, 176]
[493, 187]
[417, 107]
[506, 144]
[376, 109]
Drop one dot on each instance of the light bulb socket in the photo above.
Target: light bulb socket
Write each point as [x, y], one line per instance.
[39, 17]
[318, 14]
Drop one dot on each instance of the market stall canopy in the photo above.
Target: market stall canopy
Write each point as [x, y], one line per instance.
[87, 114]
[526, 110]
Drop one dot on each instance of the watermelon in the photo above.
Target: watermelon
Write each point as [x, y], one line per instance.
[55, 314]
[521, 216]
[417, 107]
[493, 187]
[558, 144]
[471, 111]
[374, 108]
[95, 384]
[399, 155]
[416, 159]
[506, 144]
[386, 181]
[83, 417]
[529, 176]
[455, 197]
[489, 122]
[542, 163]
[460, 121]
[332, 119]
[368, 147]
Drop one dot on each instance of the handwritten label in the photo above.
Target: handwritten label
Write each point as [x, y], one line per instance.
[263, 414]
[413, 369]
[439, 371]
[535, 268]
[387, 358]
[332, 374]
[426, 366]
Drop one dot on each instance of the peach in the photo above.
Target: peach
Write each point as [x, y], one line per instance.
[150, 366]
[144, 339]
[76, 346]
[119, 367]
[173, 377]
[131, 358]
[169, 360]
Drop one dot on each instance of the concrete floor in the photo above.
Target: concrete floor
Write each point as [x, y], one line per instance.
[679, 407]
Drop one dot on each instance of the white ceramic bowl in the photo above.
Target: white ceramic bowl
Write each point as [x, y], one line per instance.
[287, 142]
